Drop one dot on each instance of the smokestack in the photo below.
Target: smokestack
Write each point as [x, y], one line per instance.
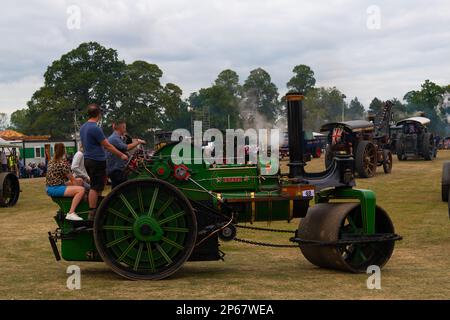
[295, 134]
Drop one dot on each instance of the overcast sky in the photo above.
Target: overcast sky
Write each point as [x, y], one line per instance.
[346, 42]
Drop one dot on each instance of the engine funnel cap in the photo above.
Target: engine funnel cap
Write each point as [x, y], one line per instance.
[294, 96]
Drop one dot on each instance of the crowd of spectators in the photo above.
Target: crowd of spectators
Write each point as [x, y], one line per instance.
[34, 169]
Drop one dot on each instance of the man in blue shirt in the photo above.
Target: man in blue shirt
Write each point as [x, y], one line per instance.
[115, 166]
[94, 144]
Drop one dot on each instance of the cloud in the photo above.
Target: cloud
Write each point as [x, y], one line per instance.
[192, 41]
[15, 94]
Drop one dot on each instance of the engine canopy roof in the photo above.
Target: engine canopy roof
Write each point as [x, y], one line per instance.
[421, 120]
[352, 125]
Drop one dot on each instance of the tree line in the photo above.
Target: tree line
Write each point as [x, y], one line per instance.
[92, 73]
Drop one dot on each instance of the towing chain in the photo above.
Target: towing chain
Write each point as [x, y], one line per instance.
[301, 242]
[266, 244]
[265, 229]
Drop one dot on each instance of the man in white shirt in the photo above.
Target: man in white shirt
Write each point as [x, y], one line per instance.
[78, 169]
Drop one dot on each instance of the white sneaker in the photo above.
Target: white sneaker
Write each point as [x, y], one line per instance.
[73, 217]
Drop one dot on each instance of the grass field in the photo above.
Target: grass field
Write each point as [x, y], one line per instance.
[419, 268]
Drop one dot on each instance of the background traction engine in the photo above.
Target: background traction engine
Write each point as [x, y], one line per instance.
[369, 142]
[167, 213]
[414, 140]
[9, 189]
[9, 180]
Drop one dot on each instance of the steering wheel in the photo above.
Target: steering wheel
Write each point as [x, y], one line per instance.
[132, 158]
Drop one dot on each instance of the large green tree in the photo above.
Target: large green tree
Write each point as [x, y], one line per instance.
[355, 110]
[145, 103]
[334, 102]
[92, 73]
[375, 105]
[314, 110]
[229, 80]
[398, 109]
[221, 102]
[323, 105]
[261, 94]
[87, 74]
[428, 100]
[303, 79]
[176, 112]
[138, 92]
[217, 102]
[4, 121]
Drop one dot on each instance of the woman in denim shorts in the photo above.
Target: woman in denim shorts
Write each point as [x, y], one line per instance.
[60, 181]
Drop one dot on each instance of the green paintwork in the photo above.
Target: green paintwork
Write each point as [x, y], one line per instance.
[76, 246]
[145, 228]
[149, 239]
[155, 233]
[365, 197]
[262, 210]
[234, 182]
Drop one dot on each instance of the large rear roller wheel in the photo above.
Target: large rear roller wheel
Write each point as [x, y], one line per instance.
[9, 189]
[331, 222]
[145, 229]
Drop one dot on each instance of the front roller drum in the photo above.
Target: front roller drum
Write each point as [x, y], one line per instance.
[9, 189]
[331, 222]
[145, 229]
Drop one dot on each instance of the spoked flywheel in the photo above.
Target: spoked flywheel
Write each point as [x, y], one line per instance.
[9, 189]
[145, 229]
[341, 223]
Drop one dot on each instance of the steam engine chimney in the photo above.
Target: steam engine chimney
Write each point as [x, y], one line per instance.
[295, 134]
